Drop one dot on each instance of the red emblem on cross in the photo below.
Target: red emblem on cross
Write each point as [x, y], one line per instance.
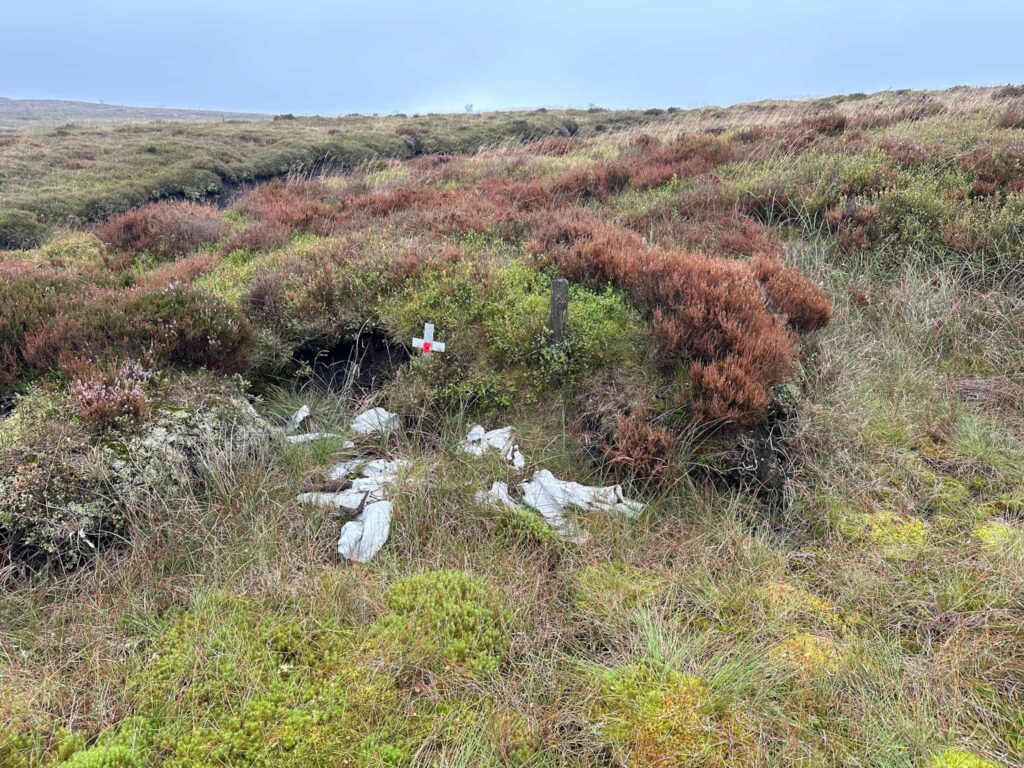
[427, 343]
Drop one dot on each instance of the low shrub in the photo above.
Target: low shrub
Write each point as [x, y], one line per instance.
[167, 230]
[177, 326]
[904, 152]
[112, 397]
[20, 229]
[297, 205]
[992, 230]
[702, 218]
[830, 123]
[1012, 117]
[30, 295]
[180, 272]
[644, 165]
[65, 491]
[708, 312]
[913, 216]
[259, 236]
[641, 451]
[994, 169]
[1008, 92]
[852, 224]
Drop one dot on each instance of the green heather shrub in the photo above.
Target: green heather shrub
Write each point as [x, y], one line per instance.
[442, 618]
[993, 229]
[914, 215]
[20, 229]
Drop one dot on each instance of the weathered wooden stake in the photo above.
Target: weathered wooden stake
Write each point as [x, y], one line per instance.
[559, 314]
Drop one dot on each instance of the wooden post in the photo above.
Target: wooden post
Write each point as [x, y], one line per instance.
[559, 313]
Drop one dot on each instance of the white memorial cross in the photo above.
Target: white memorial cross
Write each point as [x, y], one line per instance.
[427, 343]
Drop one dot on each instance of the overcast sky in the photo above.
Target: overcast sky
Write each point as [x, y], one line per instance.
[330, 57]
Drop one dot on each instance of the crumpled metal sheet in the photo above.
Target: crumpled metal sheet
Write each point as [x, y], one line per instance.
[296, 419]
[546, 491]
[375, 421]
[361, 539]
[551, 497]
[479, 440]
[372, 486]
[310, 437]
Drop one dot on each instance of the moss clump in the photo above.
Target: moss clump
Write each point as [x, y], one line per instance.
[74, 247]
[232, 683]
[494, 322]
[442, 618]
[956, 758]
[896, 535]
[127, 746]
[659, 717]
[995, 535]
[942, 494]
[524, 526]
[787, 602]
[608, 591]
[23, 747]
[809, 654]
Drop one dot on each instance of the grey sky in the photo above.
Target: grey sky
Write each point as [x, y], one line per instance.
[316, 56]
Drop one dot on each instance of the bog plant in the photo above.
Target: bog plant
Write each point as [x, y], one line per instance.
[165, 230]
[653, 716]
[442, 618]
[112, 397]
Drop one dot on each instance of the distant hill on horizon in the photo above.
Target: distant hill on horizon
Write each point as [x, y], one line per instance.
[18, 113]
